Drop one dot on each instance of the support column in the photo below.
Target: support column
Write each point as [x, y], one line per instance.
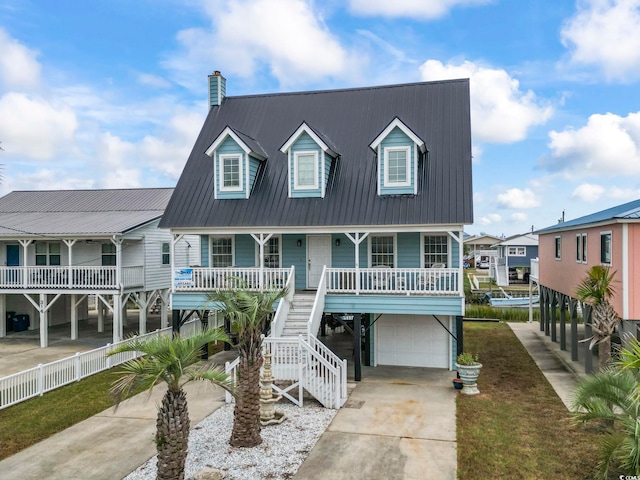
[117, 320]
[44, 327]
[142, 316]
[588, 331]
[204, 353]
[547, 314]
[563, 323]
[262, 241]
[459, 335]
[357, 347]
[100, 307]
[3, 315]
[543, 299]
[357, 239]
[175, 322]
[74, 318]
[554, 326]
[573, 313]
[164, 317]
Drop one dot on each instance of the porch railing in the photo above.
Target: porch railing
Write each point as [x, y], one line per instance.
[407, 281]
[45, 377]
[282, 312]
[133, 276]
[206, 278]
[535, 269]
[59, 277]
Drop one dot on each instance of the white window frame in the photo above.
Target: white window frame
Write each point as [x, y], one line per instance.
[434, 234]
[602, 234]
[47, 254]
[296, 156]
[395, 247]
[279, 237]
[517, 251]
[221, 158]
[557, 247]
[233, 249]
[386, 151]
[166, 254]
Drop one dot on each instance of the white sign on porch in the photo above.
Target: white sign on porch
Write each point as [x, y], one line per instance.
[183, 277]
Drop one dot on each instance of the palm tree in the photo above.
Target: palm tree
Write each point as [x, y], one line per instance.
[248, 313]
[597, 289]
[173, 361]
[611, 396]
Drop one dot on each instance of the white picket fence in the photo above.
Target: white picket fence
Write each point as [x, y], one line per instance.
[36, 381]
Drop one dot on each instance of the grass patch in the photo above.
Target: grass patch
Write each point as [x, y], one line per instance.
[517, 427]
[36, 419]
[506, 314]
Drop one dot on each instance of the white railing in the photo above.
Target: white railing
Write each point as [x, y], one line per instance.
[406, 281]
[252, 278]
[65, 276]
[308, 365]
[315, 318]
[535, 269]
[282, 312]
[133, 276]
[45, 377]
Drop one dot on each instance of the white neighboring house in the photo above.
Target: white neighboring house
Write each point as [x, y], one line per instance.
[58, 247]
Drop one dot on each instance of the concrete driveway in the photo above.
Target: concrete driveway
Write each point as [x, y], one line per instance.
[399, 423]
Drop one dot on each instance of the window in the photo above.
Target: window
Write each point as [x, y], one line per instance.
[230, 173]
[221, 251]
[382, 251]
[584, 248]
[436, 250]
[517, 251]
[108, 254]
[305, 170]
[578, 248]
[397, 167]
[271, 253]
[47, 253]
[558, 248]
[166, 254]
[605, 248]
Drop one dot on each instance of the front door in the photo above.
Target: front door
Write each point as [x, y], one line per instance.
[13, 255]
[318, 255]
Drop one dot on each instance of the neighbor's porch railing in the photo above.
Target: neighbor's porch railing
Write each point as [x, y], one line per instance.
[45, 377]
[206, 278]
[407, 281]
[69, 277]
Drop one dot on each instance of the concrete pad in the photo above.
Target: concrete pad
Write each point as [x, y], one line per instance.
[109, 445]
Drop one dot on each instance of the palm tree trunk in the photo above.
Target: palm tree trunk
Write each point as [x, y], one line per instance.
[604, 353]
[172, 435]
[246, 414]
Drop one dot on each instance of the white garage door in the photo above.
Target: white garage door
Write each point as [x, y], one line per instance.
[412, 341]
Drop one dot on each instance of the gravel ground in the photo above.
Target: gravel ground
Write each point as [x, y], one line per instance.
[284, 447]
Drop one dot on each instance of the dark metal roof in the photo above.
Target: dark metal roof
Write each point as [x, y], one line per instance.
[352, 118]
[80, 212]
[250, 142]
[626, 211]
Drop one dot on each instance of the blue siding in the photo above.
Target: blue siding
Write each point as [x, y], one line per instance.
[396, 138]
[254, 164]
[516, 261]
[295, 255]
[342, 256]
[327, 168]
[408, 250]
[305, 143]
[455, 253]
[229, 146]
[245, 251]
[190, 301]
[400, 304]
[204, 250]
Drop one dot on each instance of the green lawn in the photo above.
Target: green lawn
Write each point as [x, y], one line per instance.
[517, 427]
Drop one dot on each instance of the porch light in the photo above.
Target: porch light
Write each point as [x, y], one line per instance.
[337, 242]
[299, 242]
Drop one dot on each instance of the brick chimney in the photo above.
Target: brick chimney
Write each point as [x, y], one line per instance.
[217, 88]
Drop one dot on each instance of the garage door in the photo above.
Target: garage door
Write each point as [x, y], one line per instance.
[412, 341]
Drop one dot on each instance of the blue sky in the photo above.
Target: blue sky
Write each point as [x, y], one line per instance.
[112, 93]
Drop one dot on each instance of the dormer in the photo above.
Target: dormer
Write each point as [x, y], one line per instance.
[397, 150]
[309, 158]
[236, 159]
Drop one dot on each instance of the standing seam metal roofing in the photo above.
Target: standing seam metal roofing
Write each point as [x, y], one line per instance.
[438, 112]
[628, 211]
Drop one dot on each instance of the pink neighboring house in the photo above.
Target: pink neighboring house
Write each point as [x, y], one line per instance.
[569, 249]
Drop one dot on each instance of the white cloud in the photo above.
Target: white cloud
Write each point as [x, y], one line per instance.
[153, 80]
[34, 127]
[46, 179]
[490, 219]
[18, 65]
[624, 193]
[518, 217]
[116, 158]
[425, 9]
[500, 111]
[606, 34]
[588, 192]
[286, 35]
[518, 198]
[607, 145]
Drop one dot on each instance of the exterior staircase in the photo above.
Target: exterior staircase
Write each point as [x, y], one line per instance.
[299, 314]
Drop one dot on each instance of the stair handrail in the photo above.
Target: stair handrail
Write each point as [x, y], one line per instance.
[329, 397]
[282, 312]
[318, 305]
[340, 364]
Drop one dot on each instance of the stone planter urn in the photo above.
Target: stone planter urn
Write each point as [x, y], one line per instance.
[469, 376]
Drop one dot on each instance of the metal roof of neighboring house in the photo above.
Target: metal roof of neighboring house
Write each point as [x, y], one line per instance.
[626, 211]
[80, 212]
[527, 239]
[482, 239]
[350, 119]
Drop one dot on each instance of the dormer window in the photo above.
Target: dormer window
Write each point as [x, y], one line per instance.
[397, 172]
[397, 150]
[231, 173]
[305, 167]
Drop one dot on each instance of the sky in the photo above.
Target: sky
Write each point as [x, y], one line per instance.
[113, 93]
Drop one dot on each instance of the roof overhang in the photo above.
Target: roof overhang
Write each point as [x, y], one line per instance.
[304, 128]
[396, 122]
[228, 132]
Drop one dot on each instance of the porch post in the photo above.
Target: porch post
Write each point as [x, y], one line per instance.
[172, 256]
[3, 315]
[357, 240]
[117, 320]
[74, 318]
[25, 244]
[143, 305]
[262, 240]
[164, 317]
[357, 347]
[118, 243]
[69, 244]
[44, 327]
[100, 317]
